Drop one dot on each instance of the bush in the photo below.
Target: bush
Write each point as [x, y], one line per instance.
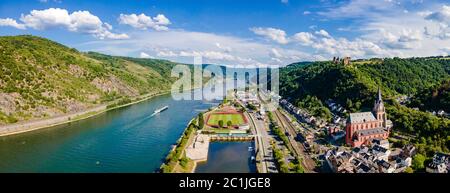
[184, 161]
[418, 162]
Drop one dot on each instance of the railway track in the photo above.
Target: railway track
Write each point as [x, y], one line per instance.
[307, 162]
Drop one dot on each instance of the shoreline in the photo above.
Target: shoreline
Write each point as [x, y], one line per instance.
[70, 118]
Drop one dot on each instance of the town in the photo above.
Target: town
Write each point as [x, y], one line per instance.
[289, 139]
[358, 143]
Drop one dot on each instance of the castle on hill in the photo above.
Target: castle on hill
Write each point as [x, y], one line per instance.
[344, 61]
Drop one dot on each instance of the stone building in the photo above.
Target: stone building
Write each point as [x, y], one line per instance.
[363, 127]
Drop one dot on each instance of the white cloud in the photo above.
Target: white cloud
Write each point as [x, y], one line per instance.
[145, 55]
[43, 19]
[11, 23]
[222, 47]
[441, 16]
[415, 32]
[143, 22]
[322, 33]
[304, 38]
[181, 46]
[359, 9]
[276, 35]
[276, 54]
[343, 47]
[78, 21]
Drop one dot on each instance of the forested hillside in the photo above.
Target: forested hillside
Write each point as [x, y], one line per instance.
[435, 98]
[41, 78]
[354, 86]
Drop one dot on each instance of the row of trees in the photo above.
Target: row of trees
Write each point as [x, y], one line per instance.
[176, 156]
[295, 166]
[222, 125]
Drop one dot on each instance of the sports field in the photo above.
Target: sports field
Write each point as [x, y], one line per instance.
[235, 118]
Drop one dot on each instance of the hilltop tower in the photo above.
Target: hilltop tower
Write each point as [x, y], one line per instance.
[379, 110]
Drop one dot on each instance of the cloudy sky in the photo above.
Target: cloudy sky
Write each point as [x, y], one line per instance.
[231, 32]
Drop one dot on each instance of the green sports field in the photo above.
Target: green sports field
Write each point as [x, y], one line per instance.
[236, 119]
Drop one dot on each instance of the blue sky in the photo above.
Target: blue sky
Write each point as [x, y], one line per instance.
[231, 32]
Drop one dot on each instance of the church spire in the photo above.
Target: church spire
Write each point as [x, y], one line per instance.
[379, 105]
[379, 94]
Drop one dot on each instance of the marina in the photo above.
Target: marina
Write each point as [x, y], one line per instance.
[237, 154]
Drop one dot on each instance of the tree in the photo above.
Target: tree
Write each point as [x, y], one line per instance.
[229, 123]
[184, 161]
[201, 121]
[418, 162]
[251, 107]
[221, 123]
[284, 168]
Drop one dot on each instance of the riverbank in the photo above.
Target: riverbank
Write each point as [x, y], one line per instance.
[193, 147]
[18, 128]
[176, 160]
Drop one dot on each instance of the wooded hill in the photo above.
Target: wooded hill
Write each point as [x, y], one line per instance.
[354, 86]
[41, 78]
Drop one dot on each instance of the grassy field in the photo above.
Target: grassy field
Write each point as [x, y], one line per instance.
[236, 119]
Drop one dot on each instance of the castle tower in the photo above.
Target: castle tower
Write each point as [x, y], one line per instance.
[378, 110]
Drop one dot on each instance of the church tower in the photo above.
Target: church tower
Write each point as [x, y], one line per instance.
[379, 111]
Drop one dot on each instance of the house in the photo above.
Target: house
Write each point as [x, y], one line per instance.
[380, 153]
[339, 161]
[381, 142]
[440, 163]
[408, 151]
[403, 161]
[336, 133]
[386, 167]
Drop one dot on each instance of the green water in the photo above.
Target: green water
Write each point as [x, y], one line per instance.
[122, 140]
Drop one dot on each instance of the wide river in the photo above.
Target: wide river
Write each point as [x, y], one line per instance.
[122, 140]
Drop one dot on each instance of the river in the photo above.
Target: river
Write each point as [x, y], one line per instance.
[121, 140]
[127, 139]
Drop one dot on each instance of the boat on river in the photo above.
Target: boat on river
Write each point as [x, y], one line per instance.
[159, 110]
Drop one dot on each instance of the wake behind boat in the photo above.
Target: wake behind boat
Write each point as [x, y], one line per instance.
[159, 110]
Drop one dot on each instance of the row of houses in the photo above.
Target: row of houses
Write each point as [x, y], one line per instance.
[376, 158]
[302, 115]
[441, 113]
[335, 107]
